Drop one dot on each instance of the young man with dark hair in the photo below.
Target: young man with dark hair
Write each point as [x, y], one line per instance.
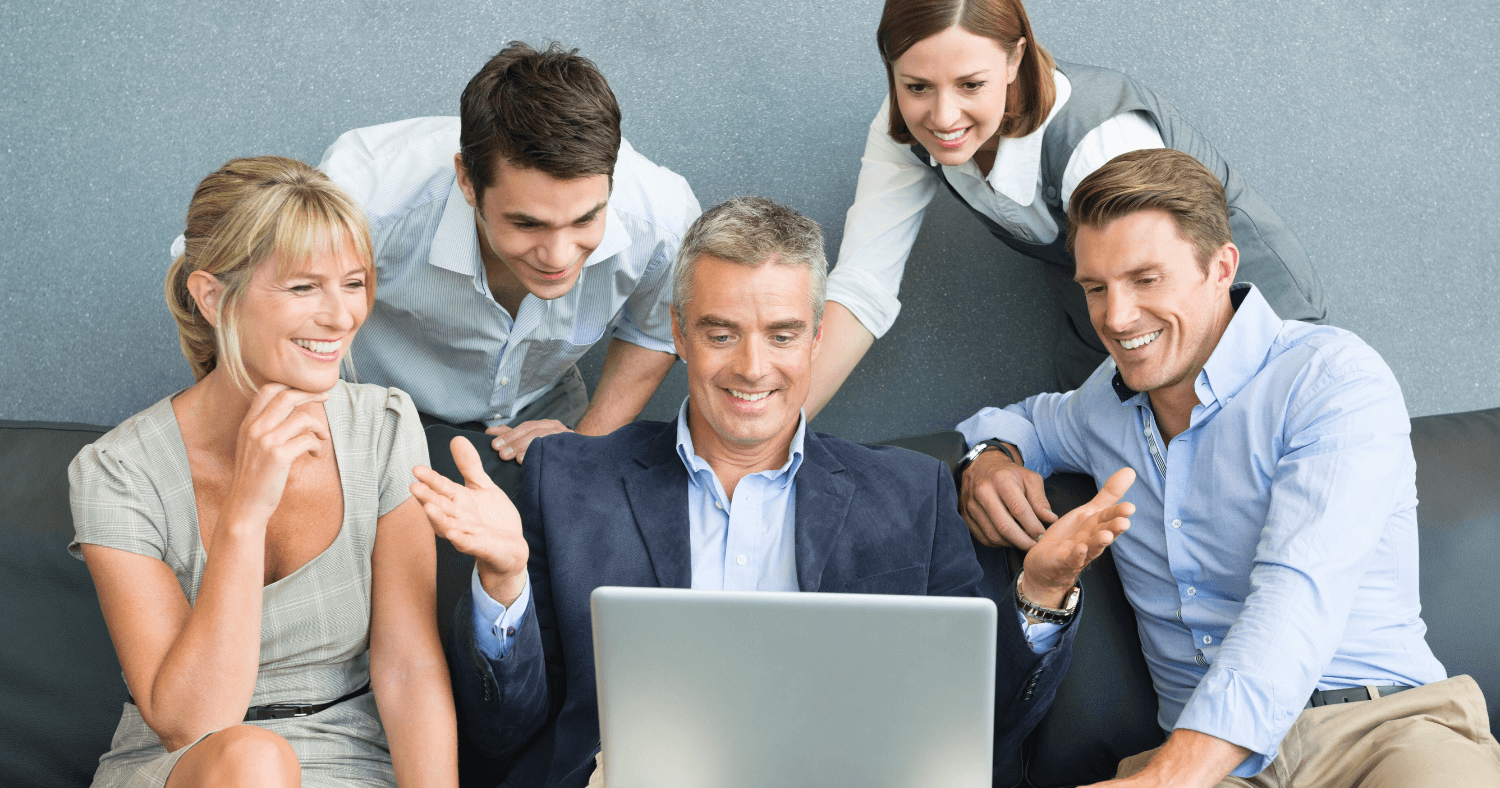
[1273, 560]
[508, 241]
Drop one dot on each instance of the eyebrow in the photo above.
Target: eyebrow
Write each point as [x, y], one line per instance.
[711, 321]
[964, 78]
[1149, 268]
[788, 325]
[518, 217]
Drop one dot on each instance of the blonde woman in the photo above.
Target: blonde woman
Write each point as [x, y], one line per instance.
[267, 580]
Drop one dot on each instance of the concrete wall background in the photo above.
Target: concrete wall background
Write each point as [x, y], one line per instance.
[1371, 126]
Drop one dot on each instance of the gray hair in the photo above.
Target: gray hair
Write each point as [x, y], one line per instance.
[750, 231]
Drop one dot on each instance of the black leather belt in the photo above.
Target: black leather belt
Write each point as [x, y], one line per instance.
[1350, 695]
[282, 711]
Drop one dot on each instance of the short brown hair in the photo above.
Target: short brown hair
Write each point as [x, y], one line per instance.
[1158, 179]
[1029, 100]
[550, 111]
[242, 214]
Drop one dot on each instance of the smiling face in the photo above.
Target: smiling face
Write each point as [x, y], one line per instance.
[950, 90]
[1156, 310]
[540, 227]
[749, 341]
[295, 326]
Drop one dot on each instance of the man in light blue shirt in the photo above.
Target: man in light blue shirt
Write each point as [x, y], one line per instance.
[737, 494]
[507, 242]
[1273, 560]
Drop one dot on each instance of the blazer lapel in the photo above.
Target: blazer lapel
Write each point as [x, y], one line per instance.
[823, 496]
[658, 495]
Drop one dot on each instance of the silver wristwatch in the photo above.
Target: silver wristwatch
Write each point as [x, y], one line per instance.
[1048, 615]
[978, 449]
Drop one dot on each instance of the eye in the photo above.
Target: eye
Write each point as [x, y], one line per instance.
[355, 284]
[916, 88]
[972, 86]
[1093, 289]
[302, 289]
[782, 339]
[1148, 280]
[718, 339]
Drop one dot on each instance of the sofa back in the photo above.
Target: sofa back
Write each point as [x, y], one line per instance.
[61, 690]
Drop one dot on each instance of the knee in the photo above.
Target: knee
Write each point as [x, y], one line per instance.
[245, 756]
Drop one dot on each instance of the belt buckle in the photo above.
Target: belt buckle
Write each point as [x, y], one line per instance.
[282, 711]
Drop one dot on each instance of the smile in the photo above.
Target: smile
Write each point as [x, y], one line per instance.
[951, 136]
[749, 396]
[1140, 341]
[319, 347]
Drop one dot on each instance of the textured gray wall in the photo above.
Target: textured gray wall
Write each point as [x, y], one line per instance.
[1371, 126]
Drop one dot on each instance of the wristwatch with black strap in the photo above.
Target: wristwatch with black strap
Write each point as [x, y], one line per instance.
[974, 452]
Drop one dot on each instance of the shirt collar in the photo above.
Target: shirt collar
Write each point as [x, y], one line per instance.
[694, 463]
[1241, 351]
[1018, 161]
[455, 245]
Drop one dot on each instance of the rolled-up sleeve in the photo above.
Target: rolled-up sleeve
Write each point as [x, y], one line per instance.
[1334, 488]
[1044, 427]
[891, 197]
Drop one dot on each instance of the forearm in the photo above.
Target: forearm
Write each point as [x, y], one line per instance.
[845, 342]
[1190, 759]
[207, 678]
[415, 700]
[630, 376]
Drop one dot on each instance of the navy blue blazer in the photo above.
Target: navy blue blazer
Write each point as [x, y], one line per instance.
[613, 510]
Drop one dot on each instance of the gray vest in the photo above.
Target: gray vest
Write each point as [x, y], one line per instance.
[1270, 256]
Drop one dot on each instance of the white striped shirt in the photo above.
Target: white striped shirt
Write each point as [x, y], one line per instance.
[437, 333]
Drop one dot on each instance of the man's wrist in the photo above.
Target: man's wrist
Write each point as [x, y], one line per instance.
[1045, 595]
[503, 587]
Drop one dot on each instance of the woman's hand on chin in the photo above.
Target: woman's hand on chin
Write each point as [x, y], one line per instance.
[276, 432]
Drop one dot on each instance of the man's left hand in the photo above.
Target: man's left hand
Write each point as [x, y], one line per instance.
[511, 442]
[1078, 537]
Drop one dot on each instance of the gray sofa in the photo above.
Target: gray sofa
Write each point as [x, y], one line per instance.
[61, 690]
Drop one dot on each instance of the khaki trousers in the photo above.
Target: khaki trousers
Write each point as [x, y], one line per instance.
[1435, 735]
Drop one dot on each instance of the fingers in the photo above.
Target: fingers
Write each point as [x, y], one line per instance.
[1114, 488]
[512, 444]
[467, 459]
[998, 519]
[1036, 496]
[436, 482]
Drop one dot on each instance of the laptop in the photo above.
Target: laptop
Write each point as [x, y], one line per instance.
[731, 689]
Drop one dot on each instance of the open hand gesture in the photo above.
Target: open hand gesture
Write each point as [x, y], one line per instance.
[1078, 537]
[478, 519]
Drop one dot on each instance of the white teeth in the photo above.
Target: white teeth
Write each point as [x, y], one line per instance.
[321, 348]
[949, 137]
[748, 397]
[1132, 344]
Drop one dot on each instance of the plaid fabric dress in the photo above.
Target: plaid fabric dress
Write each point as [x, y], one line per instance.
[132, 490]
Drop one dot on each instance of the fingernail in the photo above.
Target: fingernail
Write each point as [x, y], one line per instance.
[496, 443]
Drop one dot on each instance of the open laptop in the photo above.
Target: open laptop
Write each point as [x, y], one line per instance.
[724, 689]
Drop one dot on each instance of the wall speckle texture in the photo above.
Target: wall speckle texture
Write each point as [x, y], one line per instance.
[1371, 126]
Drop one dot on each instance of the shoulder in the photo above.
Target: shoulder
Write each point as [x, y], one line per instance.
[651, 198]
[1325, 355]
[873, 464]
[132, 451]
[598, 456]
[394, 166]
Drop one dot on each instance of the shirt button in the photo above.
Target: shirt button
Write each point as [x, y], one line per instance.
[1208, 640]
[504, 381]
[510, 632]
[1176, 523]
[741, 560]
[1192, 591]
[718, 505]
[496, 416]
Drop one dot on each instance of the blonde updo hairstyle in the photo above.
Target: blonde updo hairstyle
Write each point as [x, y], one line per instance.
[241, 215]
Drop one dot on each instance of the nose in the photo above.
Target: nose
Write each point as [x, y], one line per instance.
[337, 313]
[556, 252]
[750, 361]
[1120, 310]
[945, 109]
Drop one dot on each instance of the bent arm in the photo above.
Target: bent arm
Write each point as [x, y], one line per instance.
[407, 671]
[845, 341]
[631, 375]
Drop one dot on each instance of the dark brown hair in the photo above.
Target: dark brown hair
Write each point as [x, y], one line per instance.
[550, 111]
[1158, 179]
[1029, 100]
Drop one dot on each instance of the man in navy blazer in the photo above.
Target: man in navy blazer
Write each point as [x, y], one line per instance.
[735, 494]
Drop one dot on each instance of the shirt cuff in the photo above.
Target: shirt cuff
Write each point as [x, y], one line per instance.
[494, 623]
[629, 333]
[1041, 636]
[873, 305]
[1232, 706]
[1011, 428]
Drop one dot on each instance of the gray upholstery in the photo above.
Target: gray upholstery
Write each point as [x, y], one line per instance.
[60, 685]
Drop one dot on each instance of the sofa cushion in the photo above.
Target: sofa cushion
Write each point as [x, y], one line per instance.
[60, 689]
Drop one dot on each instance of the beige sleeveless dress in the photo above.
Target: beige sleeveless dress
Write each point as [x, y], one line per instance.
[132, 490]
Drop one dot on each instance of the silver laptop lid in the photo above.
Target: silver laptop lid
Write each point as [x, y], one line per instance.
[724, 689]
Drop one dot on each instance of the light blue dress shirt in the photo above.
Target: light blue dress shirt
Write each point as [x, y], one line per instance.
[437, 333]
[1274, 546]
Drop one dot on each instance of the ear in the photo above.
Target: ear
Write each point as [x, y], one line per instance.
[463, 180]
[1224, 265]
[678, 343]
[1013, 66]
[208, 292]
[817, 340]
